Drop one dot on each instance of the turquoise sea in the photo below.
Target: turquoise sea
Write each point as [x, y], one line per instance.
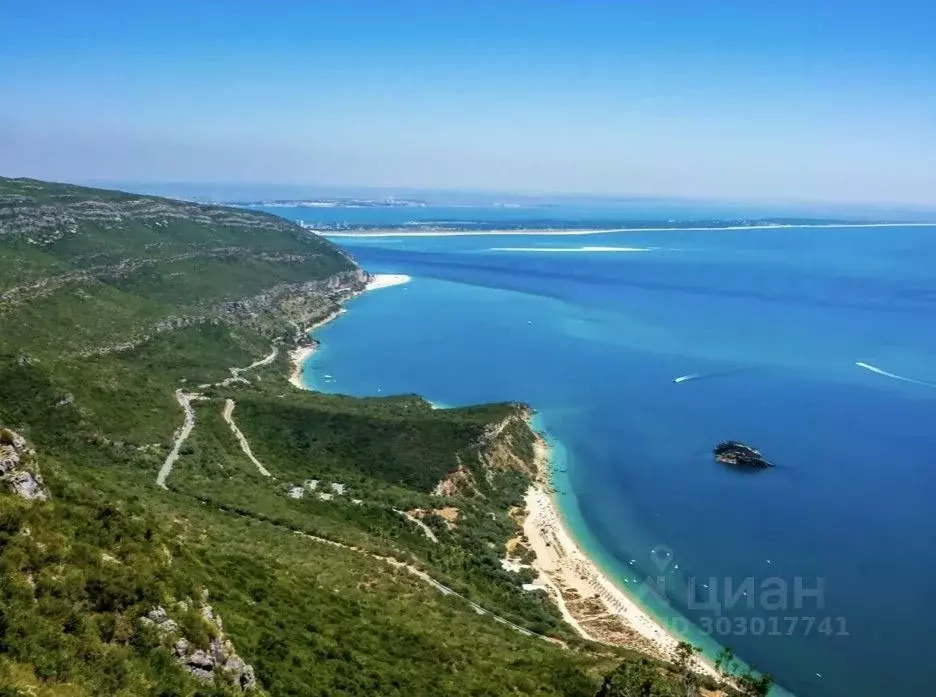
[820, 570]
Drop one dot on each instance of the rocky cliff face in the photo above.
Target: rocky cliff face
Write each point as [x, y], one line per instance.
[218, 660]
[299, 303]
[508, 445]
[18, 467]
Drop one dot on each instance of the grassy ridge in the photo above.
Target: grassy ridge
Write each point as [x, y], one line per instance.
[109, 302]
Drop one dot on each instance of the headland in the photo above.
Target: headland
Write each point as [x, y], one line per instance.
[585, 595]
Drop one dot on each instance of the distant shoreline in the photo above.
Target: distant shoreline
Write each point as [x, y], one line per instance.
[558, 232]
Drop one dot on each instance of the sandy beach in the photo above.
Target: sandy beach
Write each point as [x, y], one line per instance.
[300, 355]
[587, 598]
[385, 280]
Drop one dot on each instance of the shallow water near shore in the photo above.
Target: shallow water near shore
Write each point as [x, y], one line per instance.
[772, 323]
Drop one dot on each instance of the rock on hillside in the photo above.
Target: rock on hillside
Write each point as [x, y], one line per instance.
[507, 445]
[18, 468]
[219, 658]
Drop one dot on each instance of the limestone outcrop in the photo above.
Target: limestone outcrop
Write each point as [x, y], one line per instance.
[18, 467]
[218, 659]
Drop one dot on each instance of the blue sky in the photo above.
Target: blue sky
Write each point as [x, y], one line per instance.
[752, 100]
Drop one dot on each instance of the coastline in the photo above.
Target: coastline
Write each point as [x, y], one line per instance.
[586, 596]
[563, 232]
[589, 600]
[298, 356]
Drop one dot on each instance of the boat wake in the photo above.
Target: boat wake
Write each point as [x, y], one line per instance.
[687, 378]
[902, 378]
[707, 376]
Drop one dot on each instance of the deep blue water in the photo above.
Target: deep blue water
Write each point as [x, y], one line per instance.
[773, 321]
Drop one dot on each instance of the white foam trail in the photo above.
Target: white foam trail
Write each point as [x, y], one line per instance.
[571, 249]
[874, 369]
[685, 378]
[563, 233]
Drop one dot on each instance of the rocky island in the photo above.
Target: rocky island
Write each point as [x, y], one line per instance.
[739, 455]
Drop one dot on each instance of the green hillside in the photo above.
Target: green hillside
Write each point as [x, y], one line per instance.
[134, 561]
[109, 303]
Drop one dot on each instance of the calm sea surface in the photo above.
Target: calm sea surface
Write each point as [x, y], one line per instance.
[822, 568]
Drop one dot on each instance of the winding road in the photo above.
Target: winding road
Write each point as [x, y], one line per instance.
[185, 400]
[227, 412]
[441, 587]
[256, 364]
[425, 528]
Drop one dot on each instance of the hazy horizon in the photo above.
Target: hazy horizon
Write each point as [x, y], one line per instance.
[226, 192]
[798, 103]
[221, 192]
